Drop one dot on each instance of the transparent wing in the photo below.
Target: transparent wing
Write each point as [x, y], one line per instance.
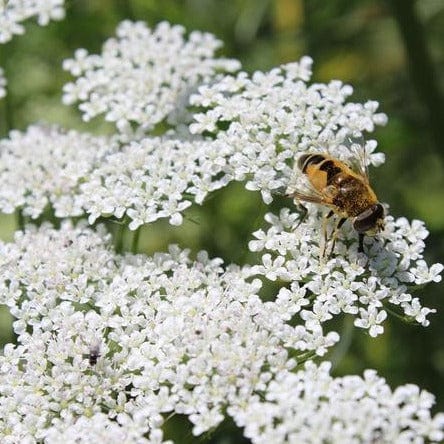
[359, 163]
[309, 195]
[302, 190]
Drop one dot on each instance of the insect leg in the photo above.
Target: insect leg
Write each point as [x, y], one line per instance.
[361, 243]
[323, 247]
[304, 212]
[335, 234]
[341, 222]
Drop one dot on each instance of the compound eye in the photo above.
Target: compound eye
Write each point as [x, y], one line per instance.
[370, 219]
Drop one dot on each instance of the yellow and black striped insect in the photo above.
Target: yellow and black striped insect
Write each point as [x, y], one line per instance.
[346, 191]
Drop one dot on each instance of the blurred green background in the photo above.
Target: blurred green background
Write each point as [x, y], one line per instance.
[391, 51]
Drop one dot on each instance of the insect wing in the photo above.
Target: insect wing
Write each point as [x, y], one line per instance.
[306, 192]
[303, 197]
[359, 163]
[309, 196]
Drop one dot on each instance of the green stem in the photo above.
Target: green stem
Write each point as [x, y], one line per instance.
[135, 241]
[8, 123]
[304, 357]
[397, 315]
[344, 344]
[119, 235]
[20, 219]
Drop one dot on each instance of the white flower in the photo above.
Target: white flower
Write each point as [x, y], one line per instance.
[414, 309]
[173, 335]
[45, 165]
[203, 122]
[180, 336]
[272, 269]
[110, 345]
[13, 12]
[144, 76]
[342, 282]
[152, 178]
[77, 173]
[311, 406]
[370, 319]
[423, 274]
[95, 428]
[290, 301]
[273, 116]
[318, 315]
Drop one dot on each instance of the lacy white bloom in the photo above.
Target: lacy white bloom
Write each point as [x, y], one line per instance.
[77, 173]
[310, 406]
[14, 12]
[100, 428]
[169, 334]
[154, 178]
[346, 281]
[161, 176]
[142, 336]
[44, 166]
[275, 115]
[144, 76]
[3, 83]
[109, 345]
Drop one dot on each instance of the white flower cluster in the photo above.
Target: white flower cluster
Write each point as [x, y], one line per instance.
[168, 335]
[45, 165]
[109, 345]
[143, 76]
[157, 177]
[14, 12]
[174, 335]
[310, 406]
[78, 173]
[346, 281]
[154, 178]
[273, 116]
[3, 83]
[100, 428]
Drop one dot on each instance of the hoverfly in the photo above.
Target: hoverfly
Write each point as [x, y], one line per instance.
[343, 189]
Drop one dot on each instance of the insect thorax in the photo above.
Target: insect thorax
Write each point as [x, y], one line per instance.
[353, 196]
